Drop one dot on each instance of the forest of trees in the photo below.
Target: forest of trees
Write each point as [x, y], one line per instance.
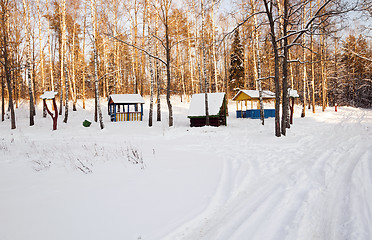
[90, 49]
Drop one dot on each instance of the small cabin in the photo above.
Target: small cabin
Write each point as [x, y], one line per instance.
[244, 98]
[217, 110]
[125, 107]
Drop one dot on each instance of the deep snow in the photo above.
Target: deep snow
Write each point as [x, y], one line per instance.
[234, 182]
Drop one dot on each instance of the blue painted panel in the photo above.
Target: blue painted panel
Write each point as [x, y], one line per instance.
[269, 113]
[238, 113]
[255, 113]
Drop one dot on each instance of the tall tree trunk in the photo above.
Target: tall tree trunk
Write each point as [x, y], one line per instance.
[198, 48]
[268, 11]
[258, 65]
[83, 53]
[214, 48]
[168, 60]
[304, 76]
[41, 55]
[191, 67]
[312, 65]
[28, 60]
[151, 80]
[50, 53]
[158, 85]
[285, 100]
[5, 35]
[72, 82]
[2, 98]
[205, 67]
[64, 61]
[95, 55]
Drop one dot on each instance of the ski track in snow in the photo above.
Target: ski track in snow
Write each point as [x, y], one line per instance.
[315, 183]
[304, 197]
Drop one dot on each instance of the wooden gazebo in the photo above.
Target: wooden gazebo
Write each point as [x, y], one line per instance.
[217, 110]
[125, 107]
[244, 96]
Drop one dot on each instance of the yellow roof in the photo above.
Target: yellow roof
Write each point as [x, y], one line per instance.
[253, 95]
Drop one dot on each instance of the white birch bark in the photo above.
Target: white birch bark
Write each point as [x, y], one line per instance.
[28, 59]
[205, 66]
[64, 61]
[95, 55]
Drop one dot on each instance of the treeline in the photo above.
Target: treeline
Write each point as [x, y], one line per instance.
[163, 47]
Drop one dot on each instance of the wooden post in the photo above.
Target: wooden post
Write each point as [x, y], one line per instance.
[128, 113]
[291, 108]
[141, 110]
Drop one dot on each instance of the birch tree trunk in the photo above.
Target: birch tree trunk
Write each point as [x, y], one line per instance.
[93, 7]
[41, 55]
[205, 67]
[312, 65]
[64, 61]
[258, 59]
[2, 98]
[158, 73]
[73, 79]
[50, 53]
[191, 67]
[151, 79]
[269, 13]
[304, 78]
[214, 48]
[28, 59]
[83, 53]
[5, 37]
[285, 100]
[198, 47]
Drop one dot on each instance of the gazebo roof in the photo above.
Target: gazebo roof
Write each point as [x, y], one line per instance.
[253, 94]
[293, 93]
[126, 98]
[48, 95]
[197, 105]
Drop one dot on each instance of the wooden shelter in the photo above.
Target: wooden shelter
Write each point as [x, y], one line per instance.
[125, 107]
[217, 110]
[244, 96]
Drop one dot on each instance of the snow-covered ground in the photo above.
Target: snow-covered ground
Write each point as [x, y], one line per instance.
[130, 181]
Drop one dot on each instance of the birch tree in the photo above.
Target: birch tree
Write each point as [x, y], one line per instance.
[93, 9]
[26, 7]
[5, 61]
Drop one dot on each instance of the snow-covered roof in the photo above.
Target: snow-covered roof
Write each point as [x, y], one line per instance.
[48, 95]
[293, 93]
[197, 105]
[126, 98]
[254, 94]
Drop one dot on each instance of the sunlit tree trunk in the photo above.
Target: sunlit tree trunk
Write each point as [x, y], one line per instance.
[304, 76]
[98, 111]
[41, 54]
[256, 47]
[50, 53]
[28, 59]
[269, 13]
[205, 66]
[64, 60]
[285, 99]
[5, 55]
[83, 55]
[214, 48]
[312, 66]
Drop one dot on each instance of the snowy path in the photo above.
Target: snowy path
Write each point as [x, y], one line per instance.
[315, 192]
[230, 183]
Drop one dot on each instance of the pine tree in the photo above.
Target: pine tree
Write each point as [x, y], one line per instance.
[236, 63]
